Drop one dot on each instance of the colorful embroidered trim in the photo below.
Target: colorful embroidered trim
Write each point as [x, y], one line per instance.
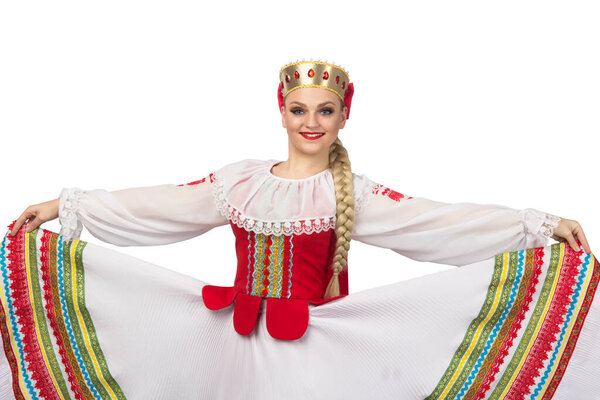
[269, 265]
[547, 338]
[48, 334]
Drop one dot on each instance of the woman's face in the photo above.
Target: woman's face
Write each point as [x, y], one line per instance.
[314, 111]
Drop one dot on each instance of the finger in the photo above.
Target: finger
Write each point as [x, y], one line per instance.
[581, 236]
[571, 240]
[558, 238]
[31, 225]
[22, 218]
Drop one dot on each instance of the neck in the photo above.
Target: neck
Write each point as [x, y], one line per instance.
[299, 166]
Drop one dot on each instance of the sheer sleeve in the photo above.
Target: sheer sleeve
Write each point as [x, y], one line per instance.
[140, 216]
[456, 234]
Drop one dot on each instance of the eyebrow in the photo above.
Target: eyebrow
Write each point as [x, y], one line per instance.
[322, 104]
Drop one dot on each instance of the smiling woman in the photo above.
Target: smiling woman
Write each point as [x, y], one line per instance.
[306, 119]
[518, 319]
[312, 126]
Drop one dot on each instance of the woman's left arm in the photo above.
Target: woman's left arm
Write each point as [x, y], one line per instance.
[451, 233]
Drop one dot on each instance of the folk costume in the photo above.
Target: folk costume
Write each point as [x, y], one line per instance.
[516, 320]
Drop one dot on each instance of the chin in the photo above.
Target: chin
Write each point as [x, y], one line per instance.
[309, 147]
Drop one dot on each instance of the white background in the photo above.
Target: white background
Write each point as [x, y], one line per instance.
[454, 101]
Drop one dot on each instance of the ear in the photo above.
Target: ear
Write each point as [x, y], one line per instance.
[343, 117]
[282, 110]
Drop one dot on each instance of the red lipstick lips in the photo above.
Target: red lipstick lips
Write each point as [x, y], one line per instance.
[312, 135]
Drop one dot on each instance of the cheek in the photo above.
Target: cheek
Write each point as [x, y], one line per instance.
[331, 123]
[293, 123]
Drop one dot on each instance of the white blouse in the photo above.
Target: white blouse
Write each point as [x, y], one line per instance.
[250, 196]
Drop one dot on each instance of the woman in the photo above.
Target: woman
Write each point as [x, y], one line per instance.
[83, 321]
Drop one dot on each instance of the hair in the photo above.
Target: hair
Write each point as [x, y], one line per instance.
[339, 162]
[344, 201]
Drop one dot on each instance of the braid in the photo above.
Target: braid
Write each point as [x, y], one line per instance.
[344, 199]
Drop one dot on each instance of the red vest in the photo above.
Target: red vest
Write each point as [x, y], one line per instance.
[287, 271]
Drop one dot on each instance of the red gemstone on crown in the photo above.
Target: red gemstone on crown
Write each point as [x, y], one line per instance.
[311, 73]
[325, 75]
[337, 79]
[296, 75]
[343, 85]
[287, 78]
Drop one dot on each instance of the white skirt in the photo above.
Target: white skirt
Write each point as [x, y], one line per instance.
[83, 321]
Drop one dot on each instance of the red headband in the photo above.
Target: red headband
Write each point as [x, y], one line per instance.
[347, 98]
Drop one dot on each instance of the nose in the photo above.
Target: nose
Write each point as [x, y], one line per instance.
[311, 121]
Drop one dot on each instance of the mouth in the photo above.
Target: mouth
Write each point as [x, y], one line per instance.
[312, 135]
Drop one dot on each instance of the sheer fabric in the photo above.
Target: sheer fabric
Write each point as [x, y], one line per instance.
[249, 195]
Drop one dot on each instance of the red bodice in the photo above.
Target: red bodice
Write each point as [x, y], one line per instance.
[289, 271]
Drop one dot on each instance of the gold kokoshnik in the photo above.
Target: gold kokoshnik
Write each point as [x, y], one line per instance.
[314, 74]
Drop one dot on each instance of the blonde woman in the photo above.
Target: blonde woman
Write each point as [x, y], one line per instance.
[516, 320]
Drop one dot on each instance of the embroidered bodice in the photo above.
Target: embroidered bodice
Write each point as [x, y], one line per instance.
[287, 271]
[284, 253]
[285, 232]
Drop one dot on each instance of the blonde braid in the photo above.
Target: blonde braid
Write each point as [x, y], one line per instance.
[344, 199]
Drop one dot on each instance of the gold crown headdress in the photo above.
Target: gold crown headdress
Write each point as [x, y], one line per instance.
[320, 74]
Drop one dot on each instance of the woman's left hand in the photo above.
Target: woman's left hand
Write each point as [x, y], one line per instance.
[569, 230]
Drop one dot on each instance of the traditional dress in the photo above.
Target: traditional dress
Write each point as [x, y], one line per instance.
[516, 320]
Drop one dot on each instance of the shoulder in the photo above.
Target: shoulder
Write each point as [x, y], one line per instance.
[365, 189]
[250, 173]
[240, 170]
[242, 165]
[361, 181]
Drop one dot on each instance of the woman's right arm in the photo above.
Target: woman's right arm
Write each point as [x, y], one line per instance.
[140, 216]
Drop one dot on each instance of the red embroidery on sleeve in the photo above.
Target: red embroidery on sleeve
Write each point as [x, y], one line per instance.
[392, 194]
[210, 177]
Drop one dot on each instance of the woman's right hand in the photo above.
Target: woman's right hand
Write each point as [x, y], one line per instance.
[36, 215]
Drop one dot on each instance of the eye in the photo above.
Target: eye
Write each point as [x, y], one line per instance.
[327, 111]
[296, 111]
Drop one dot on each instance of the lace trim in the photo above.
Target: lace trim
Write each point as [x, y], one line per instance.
[50, 312]
[550, 330]
[15, 253]
[550, 222]
[511, 335]
[289, 227]
[68, 204]
[19, 295]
